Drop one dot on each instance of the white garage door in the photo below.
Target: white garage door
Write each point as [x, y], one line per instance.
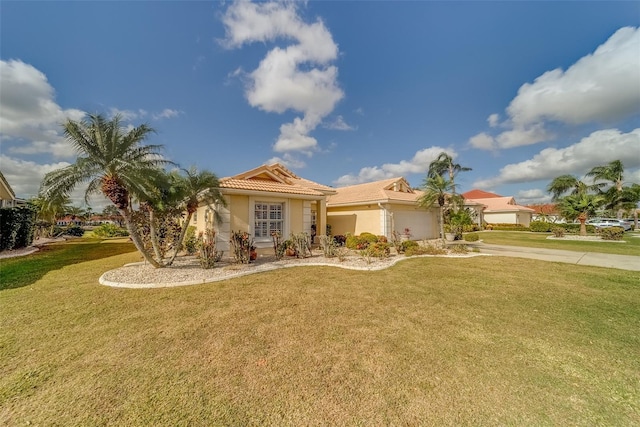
[421, 224]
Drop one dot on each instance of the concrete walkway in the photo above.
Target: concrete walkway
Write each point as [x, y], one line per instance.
[597, 259]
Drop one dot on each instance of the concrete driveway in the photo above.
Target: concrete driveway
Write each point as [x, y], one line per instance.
[623, 262]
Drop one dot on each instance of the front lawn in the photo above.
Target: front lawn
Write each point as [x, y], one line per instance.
[539, 240]
[440, 341]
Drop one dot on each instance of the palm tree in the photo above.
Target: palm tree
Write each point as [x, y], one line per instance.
[612, 173]
[436, 189]
[442, 165]
[580, 206]
[112, 161]
[564, 184]
[194, 188]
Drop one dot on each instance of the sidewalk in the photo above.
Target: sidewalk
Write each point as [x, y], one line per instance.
[597, 259]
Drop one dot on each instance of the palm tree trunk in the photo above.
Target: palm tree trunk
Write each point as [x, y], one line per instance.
[154, 235]
[183, 232]
[442, 223]
[137, 241]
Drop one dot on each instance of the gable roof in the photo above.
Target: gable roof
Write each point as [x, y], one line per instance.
[274, 178]
[391, 190]
[479, 194]
[6, 192]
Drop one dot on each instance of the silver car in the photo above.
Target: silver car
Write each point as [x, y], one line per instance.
[609, 222]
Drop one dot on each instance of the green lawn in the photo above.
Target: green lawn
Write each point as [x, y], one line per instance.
[539, 240]
[439, 341]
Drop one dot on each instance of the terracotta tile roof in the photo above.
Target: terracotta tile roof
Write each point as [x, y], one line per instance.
[547, 209]
[378, 191]
[274, 178]
[479, 194]
[502, 204]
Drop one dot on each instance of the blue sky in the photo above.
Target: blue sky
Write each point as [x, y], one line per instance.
[341, 92]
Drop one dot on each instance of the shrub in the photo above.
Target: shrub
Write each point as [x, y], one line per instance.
[379, 250]
[509, 227]
[575, 228]
[17, 227]
[407, 244]
[329, 246]
[190, 240]
[361, 241]
[74, 231]
[611, 233]
[425, 250]
[458, 249]
[540, 226]
[301, 245]
[241, 244]
[110, 230]
[472, 237]
[206, 247]
[340, 239]
[558, 231]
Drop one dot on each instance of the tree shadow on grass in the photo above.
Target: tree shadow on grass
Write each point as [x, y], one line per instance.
[23, 271]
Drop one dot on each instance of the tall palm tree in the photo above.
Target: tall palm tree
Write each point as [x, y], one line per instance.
[564, 184]
[110, 160]
[611, 174]
[443, 165]
[436, 189]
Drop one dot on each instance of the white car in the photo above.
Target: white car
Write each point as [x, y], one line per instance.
[609, 222]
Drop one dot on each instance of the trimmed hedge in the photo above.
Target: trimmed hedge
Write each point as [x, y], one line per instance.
[509, 227]
[540, 226]
[17, 227]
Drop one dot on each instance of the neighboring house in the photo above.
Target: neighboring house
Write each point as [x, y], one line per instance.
[546, 212]
[499, 209]
[69, 220]
[263, 200]
[100, 219]
[7, 196]
[381, 207]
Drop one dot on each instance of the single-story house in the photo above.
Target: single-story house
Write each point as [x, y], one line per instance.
[69, 220]
[7, 196]
[498, 209]
[381, 207]
[263, 200]
[547, 212]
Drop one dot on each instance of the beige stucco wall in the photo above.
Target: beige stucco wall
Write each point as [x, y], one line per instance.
[356, 220]
[238, 216]
[373, 219]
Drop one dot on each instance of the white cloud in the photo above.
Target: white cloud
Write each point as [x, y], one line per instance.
[127, 115]
[533, 196]
[25, 177]
[599, 148]
[483, 141]
[167, 113]
[418, 164]
[601, 87]
[604, 85]
[298, 77]
[288, 160]
[339, 124]
[523, 136]
[29, 113]
[493, 120]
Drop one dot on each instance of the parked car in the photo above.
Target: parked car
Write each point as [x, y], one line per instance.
[609, 222]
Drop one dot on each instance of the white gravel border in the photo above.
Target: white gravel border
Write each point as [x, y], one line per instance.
[187, 271]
